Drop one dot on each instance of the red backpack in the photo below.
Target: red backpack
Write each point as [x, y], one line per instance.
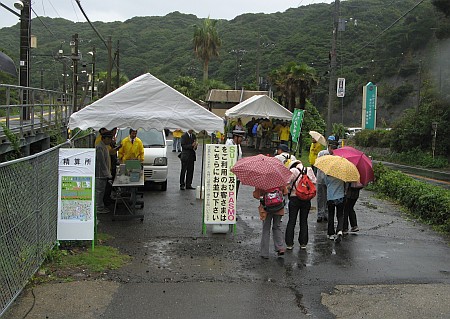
[273, 200]
[305, 189]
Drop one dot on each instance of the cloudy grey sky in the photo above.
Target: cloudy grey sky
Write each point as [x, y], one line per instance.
[121, 10]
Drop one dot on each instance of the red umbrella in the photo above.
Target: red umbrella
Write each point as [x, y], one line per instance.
[361, 161]
[262, 172]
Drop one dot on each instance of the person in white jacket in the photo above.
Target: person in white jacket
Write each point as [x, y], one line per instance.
[238, 136]
[298, 206]
[284, 156]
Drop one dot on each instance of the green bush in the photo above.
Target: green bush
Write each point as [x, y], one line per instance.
[373, 138]
[428, 202]
[399, 94]
[418, 158]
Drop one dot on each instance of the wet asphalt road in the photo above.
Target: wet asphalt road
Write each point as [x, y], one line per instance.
[177, 272]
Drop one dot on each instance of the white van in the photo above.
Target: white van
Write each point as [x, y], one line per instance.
[155, 154]
[351, 131]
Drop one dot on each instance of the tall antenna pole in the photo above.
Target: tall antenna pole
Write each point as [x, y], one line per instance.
[331, 86]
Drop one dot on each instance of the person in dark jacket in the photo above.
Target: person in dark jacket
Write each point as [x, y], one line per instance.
[188, 147]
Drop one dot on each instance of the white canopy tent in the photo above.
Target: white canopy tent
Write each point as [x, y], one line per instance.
[146, 102]
[260, 106]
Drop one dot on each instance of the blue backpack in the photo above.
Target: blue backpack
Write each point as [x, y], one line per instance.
[255, 129]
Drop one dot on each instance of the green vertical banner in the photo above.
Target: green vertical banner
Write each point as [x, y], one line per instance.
[369, 107]
[296, 125]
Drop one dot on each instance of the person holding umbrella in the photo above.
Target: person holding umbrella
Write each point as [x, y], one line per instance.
[351, 196]
[337, 170]
[317, 141]
[335, 204]
[322, 209]
[269, 176]
[364, 166]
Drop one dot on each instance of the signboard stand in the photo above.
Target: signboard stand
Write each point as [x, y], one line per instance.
[219, 202]
[76, 195]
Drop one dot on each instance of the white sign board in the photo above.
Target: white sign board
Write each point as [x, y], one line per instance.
[340, 87]
[220, 184]
[76, 193]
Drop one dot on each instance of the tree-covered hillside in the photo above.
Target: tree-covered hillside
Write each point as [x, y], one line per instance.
[391, 43]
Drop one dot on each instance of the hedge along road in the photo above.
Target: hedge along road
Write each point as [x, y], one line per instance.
[393, 267]
[439, 178]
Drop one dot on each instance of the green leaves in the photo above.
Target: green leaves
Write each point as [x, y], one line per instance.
[430, 203]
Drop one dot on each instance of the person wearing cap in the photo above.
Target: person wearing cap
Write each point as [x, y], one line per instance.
[132, 148]
[322, 209]
[238, 136]
[283, 154]
[102, 171]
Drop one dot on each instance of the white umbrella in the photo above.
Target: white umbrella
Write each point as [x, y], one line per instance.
[318, 137]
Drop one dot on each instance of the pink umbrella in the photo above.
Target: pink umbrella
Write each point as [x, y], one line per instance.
[262, 172]
[361, 161]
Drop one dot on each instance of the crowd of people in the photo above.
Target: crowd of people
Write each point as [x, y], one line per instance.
[335, 199]
[335, 202]
[260, 133]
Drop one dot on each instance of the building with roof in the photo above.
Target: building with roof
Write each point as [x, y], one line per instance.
[221, 100]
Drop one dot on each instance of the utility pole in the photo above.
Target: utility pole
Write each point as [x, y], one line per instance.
[331, 86]
[258, 60]
[75, 58]
[93, 74]
[117, 67]
[24, 68]
[108, 75]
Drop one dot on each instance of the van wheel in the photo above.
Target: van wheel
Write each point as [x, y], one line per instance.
[164, 186]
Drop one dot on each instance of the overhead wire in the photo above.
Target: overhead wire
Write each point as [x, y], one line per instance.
[388, 28]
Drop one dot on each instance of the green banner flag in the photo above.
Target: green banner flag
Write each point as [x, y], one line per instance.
[296, 125]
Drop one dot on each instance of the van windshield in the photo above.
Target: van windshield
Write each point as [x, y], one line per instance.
[150, 138]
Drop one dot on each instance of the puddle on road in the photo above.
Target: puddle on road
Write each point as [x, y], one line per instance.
[157, 253]
[179, 256]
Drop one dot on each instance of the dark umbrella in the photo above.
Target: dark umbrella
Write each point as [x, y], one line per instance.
[7, 65]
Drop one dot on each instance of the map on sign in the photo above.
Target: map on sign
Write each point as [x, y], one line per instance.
[76, 198]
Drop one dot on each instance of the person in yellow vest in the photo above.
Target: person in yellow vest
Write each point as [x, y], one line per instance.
[313, 151]
[284, 133]
[176, 144]
[132, 148]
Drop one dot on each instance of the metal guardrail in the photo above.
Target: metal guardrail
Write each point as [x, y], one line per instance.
[27, 111]
[28, 216]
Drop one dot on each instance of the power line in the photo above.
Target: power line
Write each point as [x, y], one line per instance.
[389, 27]
[92, 26]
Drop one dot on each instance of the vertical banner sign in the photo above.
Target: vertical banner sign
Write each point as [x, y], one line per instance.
[340, 87]
[369, 107]
[76, 193]
[220, 184]
[296, 125]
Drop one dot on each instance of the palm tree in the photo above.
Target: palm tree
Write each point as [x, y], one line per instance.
[206, 43]
[303, 78]
[293, 80]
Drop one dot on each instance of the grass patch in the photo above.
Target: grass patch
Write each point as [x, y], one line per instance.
[77, 259]
[98, 260]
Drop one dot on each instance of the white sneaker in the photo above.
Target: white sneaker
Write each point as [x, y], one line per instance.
[339, 237]
[331, 237]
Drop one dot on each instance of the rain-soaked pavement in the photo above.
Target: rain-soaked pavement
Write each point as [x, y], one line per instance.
[393, 267]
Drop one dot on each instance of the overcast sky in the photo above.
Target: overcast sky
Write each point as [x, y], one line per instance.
[121, 10]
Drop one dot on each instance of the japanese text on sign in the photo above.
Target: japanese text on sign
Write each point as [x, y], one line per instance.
[76, 189]
[220, 184]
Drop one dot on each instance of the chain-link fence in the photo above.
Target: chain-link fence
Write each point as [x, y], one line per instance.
[28, 217]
